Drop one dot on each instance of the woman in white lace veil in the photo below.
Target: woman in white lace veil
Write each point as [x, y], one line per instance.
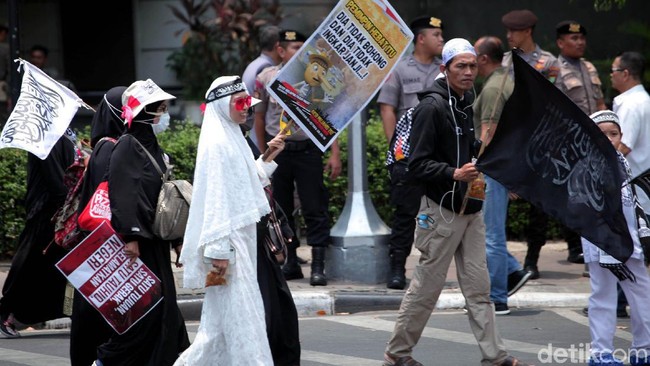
[228, 200]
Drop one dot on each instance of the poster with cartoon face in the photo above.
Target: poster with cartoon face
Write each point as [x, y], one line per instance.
[339, 69]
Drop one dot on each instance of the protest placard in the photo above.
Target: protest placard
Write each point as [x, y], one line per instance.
[341, 66]
[121, 291]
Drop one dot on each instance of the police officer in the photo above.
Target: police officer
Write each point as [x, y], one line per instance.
[412, 74]
[301, 162]
[520, 25]
[578, 79]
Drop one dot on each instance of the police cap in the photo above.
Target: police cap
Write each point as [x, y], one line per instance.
[425, 22]
[570, 27]
[519, 19]
[291, 35]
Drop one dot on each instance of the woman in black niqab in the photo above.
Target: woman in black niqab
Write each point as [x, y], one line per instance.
[134, 183]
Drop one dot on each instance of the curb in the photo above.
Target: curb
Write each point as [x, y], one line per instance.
[320, 303]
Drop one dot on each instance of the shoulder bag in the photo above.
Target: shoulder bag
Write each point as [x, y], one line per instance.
[275, 241]
[173, 207]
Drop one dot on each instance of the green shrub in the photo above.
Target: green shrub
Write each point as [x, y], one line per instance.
[13, 175]
[180, 143]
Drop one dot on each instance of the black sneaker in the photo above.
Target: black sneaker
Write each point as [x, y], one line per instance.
[534, 270]
[576, 258]
[8, 329]
[501, 308]
[517, 280]
[292, 271]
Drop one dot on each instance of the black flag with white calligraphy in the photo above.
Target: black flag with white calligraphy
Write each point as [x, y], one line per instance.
[643, 182]
[553, 155]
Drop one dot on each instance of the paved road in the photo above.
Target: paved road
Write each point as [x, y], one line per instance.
[543, 336]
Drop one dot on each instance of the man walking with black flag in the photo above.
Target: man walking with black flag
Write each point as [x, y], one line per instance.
[443, 146]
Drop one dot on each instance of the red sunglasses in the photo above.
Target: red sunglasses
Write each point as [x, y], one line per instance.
[243, 103]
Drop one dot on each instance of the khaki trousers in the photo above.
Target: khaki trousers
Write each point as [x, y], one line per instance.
[462, 239]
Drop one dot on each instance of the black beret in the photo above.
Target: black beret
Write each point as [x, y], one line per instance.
[425, 22]
[570, 27]
[519, 19]
[290, 35]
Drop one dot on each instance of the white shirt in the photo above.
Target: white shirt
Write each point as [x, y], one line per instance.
[633, 110]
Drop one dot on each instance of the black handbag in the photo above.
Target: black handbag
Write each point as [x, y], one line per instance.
[275, 241]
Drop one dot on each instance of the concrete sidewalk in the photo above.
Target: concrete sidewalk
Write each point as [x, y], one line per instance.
[561, 284]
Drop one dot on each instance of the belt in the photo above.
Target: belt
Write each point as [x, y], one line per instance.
[290, 145]
[297, 145]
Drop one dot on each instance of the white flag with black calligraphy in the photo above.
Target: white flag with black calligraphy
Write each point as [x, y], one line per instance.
[41, 114]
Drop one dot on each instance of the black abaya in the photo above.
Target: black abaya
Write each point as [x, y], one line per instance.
[282, 328]
[160, 336]
[34, 288]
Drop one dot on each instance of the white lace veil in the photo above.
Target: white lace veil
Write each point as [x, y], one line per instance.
[227, 193]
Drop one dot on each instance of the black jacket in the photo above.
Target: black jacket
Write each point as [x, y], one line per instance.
[436, 148]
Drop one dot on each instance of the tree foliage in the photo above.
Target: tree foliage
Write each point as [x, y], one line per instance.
[606, 5]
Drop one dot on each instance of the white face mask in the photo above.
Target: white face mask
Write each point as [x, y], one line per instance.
[162, 125]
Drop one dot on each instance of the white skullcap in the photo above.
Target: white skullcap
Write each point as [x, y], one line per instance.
[605, 116]
[455, 47]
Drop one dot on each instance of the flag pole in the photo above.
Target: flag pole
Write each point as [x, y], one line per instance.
[481, 180]
[284, 131]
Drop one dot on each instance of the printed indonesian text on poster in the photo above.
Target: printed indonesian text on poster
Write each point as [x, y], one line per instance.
[121, 291]
[340, 68]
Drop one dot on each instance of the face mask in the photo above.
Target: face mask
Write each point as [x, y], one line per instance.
[162, 125]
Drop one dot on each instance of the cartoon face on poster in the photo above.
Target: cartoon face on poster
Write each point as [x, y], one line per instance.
[340, 67]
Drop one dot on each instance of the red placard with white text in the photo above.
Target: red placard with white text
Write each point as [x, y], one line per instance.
[98, 268]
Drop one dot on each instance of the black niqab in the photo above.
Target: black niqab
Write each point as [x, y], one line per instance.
[107, 120]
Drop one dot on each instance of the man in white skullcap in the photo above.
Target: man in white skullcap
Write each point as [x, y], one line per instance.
[442, 148]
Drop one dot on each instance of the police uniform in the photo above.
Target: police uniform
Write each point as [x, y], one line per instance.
[301, 162]
[542, 61]
[408, 78]
[547, 65]
[578, 78]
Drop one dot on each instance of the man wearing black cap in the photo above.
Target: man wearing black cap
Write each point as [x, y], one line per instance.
[520, 25]
[301, 162]
[579, 80]
[412, 74]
